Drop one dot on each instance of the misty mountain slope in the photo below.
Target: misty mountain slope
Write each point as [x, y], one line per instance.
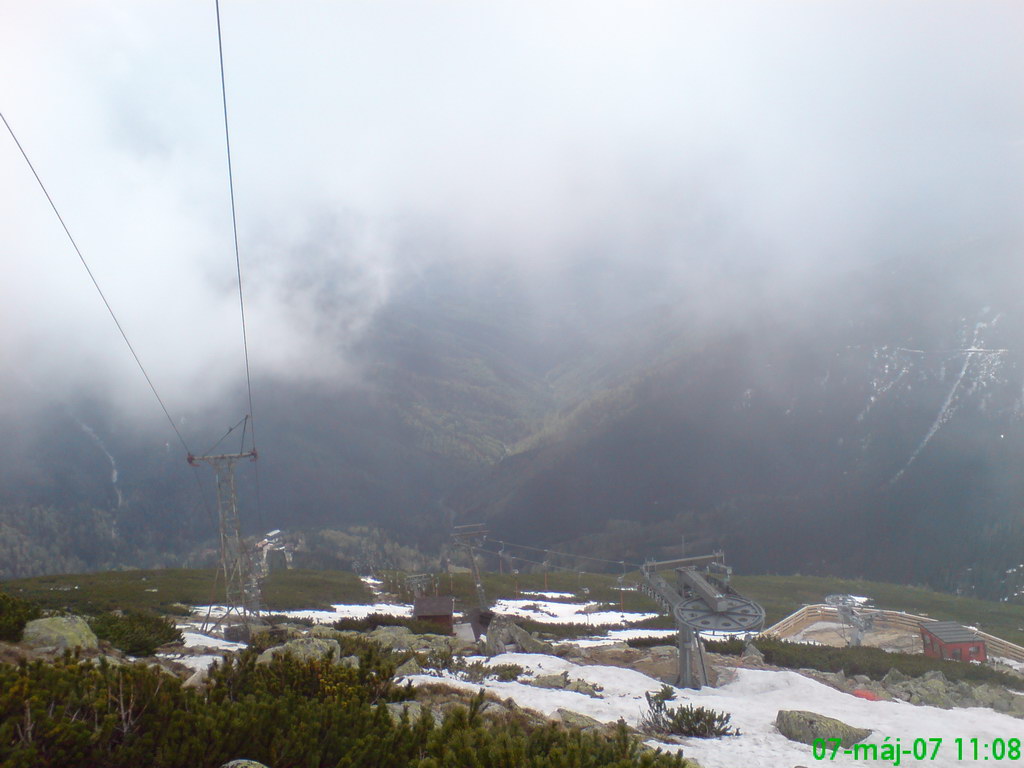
[875, 444]
[443, 380]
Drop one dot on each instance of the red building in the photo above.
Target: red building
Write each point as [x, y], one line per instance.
[949, 640]
[437, 610]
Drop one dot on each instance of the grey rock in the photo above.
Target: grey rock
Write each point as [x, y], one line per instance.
[498, 636]
[325, 632]
[751, 651]
[582, 686]
[894, 676]
[393, 638]
[835, 679]
[493, 708]
[352, 662]
[63, 632]
[932, 692]
[196, 680]
[105, 658]
[503, 634]
[528, 643]
[303, 649]
[559, 682]
[463, 647]
[663, 651]
[805, 727]
[414, 709]
[576, 720]
[244, 632]
[410, 667]
[243, 764]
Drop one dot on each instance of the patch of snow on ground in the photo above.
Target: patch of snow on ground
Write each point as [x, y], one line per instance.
[196, 640]
[566, 613]
[195, 663]
[549, 595]
[621, 635]
[326, 617]
[753, 700]
[1017, 665]
[350, 612]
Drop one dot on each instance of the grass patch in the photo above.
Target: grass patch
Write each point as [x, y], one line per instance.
[95, 593]
[601, 587]
[163, 591]
[295, 590]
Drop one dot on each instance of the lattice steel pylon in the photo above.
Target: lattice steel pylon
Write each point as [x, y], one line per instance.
[241, 582]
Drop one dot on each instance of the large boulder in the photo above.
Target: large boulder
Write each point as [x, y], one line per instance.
[805, 727]
[504, 635]
[930, 691]
[558, 682]
[413, 709]
[579, 685]
[393, 638]
[63, 632]
[327, 632]
[245, 631]
[304, 649]
[575, 720]
[528, 643]
[410, 667]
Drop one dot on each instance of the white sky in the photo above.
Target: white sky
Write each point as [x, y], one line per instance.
[368, 137]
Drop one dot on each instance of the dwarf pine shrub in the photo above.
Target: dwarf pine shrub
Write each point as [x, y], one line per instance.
[15, 613]
[865, 660]
[76, 714]
[135, 633]
[701, 722]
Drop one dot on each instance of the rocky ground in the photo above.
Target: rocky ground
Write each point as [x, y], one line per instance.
[442, 665]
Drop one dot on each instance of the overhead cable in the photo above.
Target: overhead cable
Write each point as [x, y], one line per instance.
[238, 260]
[97, 286]
[106, 303]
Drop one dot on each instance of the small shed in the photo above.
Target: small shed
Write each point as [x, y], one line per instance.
[437, 610]
[949, 640]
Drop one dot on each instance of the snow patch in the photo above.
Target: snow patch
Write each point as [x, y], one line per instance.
[567, 613]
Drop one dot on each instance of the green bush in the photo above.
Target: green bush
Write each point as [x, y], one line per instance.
[473, 672]
[135, 633]
[863, 660]
[374, 620]
[76, 714]
[703, 723]
[15, 613]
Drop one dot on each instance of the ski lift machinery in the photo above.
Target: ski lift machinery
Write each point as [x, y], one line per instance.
[702, 602]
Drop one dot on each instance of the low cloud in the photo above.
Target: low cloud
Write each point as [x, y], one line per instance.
[729, 159]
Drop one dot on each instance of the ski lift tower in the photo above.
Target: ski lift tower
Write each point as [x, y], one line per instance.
[702, 602]
[471, 537]
[847, 609]
[241, 583]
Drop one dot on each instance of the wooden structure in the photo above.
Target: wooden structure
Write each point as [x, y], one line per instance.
[811, 614]
[949, 640]
[436, 610]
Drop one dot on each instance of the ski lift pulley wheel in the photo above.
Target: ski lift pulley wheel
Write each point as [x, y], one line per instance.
[740, 615]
